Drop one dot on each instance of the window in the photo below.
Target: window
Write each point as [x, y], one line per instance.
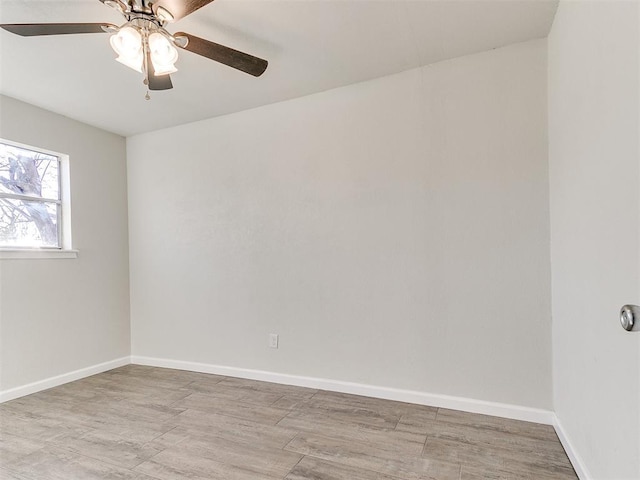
[33, 201]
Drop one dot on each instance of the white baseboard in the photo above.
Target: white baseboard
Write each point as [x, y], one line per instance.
[575, 459]
[51, 382]
[516, 412]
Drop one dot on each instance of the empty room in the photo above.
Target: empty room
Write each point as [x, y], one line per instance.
[319, 239]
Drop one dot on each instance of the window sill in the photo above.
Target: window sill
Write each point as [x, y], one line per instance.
[20, 254]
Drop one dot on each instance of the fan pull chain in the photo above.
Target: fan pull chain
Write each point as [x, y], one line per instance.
[145, 82]
[146, 60]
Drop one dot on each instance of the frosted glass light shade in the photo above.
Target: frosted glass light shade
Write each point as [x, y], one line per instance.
[127, 43]
[134, 63]
[163, 54]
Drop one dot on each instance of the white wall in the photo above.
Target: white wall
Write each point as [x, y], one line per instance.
[61, 315]
[594, 157]
[393, 232]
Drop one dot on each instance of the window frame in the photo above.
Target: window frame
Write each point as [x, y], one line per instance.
[63, 222]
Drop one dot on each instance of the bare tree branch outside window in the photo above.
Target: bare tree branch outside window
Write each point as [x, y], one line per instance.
[29, 198]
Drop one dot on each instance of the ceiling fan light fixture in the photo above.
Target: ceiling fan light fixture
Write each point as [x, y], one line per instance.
[143, 44]
[127, 43]
[163, 54]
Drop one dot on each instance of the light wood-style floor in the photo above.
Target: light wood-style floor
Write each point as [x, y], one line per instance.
[148, 423]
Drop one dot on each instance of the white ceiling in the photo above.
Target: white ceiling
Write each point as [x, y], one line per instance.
[311, 45]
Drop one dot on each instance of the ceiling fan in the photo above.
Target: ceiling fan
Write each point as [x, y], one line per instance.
[143, 43]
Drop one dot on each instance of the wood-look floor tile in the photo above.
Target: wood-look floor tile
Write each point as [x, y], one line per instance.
[507, 444]
[59, 408]
[177, 464]
[200, 423]
[14, 447]
[309, 413]
[497, 424]
[461, 452]
[368, 457]
[290, 401]
[256, 457]
[222, 453]
[337, 399]
[127, 382]
[310, 468]
[234, 394]
[343, 429]
[417, 421]
[80, 391]
[268, 387]
[28, 425]
[8, 475]
[165, 377]
[477, 473]
[112, 391]
[48, 404]
[130, 388]
[123, 388]
[209, 404]
[64, 424]
[489, 458]
[110, 448]
[57, 464]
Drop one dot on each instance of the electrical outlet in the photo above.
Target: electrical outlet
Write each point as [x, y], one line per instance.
[273, 340]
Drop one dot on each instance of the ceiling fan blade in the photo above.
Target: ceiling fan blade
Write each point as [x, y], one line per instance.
[233, 58]
[161, 82]
[156, 82]
[35, 29]
[179, 8]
